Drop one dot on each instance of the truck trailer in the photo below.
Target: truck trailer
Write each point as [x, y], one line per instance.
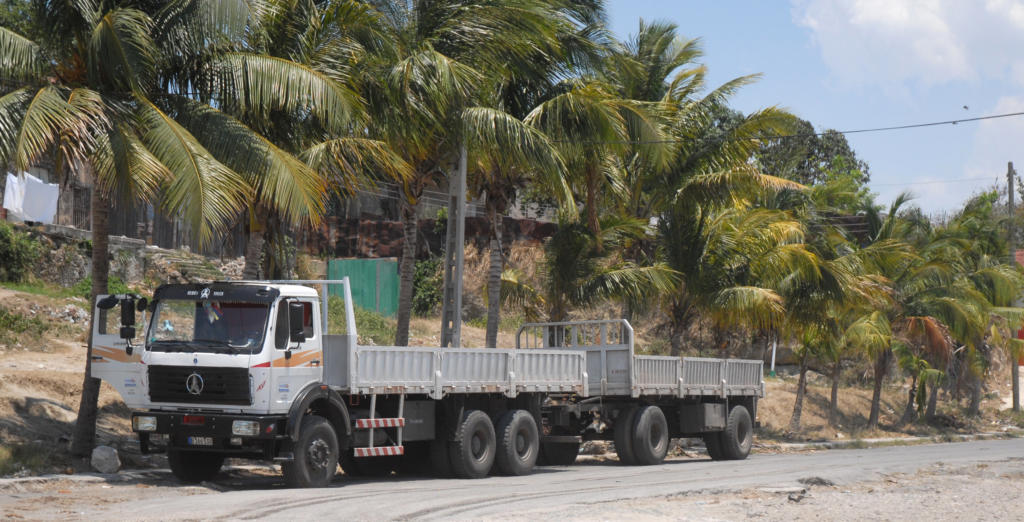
[247, 369]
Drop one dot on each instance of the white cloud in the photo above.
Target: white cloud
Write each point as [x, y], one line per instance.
[896, 44]
[998, 141]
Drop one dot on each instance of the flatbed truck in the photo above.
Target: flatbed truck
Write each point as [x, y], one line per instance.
[247, 369]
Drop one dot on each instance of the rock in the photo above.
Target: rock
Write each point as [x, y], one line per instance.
[105, 460]
[816, 481]
[796, 497]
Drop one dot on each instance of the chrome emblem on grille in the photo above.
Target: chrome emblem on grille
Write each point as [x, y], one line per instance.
[194, 383]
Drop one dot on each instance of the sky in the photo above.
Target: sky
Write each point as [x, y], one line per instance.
[854, 64]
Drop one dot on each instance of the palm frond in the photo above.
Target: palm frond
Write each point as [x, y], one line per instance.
[350, 163]
[122, 54]
[20, 58]
[205, 191]
[749, 306]
[261, 83]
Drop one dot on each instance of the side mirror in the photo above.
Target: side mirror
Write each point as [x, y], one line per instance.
[128, 312]
[142, 304]
[281, 328]
[107, 302]
[295, 319]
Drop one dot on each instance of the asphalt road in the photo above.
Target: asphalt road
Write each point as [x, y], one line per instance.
[556, 489]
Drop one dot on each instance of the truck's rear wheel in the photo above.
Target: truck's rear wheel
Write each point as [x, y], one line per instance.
[473, 450]
[624, 435]
[738, 436]
[518, 443]
[194, 466]
[315, 455]
[650, 436]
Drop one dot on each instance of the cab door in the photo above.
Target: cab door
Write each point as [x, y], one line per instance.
[300, 364]
[110, 360]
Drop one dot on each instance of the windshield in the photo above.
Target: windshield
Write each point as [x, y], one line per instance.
[208, 326]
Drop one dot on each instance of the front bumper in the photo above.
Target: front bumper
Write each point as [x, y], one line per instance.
[212, 432]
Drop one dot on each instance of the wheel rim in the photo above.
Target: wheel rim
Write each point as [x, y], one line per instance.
[522, 448]
[318, 454]
[657, 436]
[477, 446]
[745, 435]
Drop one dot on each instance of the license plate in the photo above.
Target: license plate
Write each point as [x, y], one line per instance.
[200, 441]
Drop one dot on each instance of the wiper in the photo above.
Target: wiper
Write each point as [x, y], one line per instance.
[181, 345]
[215, 343]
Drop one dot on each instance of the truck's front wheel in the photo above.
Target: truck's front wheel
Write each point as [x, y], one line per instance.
[315, 455]
[194, 466]
[474, 447]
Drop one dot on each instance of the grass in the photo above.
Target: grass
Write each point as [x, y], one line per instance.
[28, 456]
[41, 288]
[506, 322]
[14, 326]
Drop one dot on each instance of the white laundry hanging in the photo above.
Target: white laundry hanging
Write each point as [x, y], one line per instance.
[28, 198]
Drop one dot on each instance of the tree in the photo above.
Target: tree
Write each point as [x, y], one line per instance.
[810, 158]
[419, 78]
[112, 102]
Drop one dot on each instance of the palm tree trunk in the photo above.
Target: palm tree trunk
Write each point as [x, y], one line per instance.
[881, 366]
[910, 413]
[975, 404]
[593, 223]
[406, 269]
[84, 436]
[253, 256]
[833, 403]
[801, 386]
[494, 278]
[933, 397]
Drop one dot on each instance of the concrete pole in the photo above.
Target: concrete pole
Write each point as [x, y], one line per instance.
[1014, 367]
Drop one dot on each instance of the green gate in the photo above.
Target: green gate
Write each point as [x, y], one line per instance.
[374, 282]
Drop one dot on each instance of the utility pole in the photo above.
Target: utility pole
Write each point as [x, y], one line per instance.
[1014, 368]
[454, 251]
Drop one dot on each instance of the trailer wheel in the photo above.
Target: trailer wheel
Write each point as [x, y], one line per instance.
[315, 455]
[518, 443]
[624, 435]
[738, 436]
[194, 466]
[473, 450]
[650, 436]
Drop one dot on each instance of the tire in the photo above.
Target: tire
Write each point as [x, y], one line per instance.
[192, 467]
[473, 450]
[518, 443]
[315, 455]
[738, 436]
[650, 436]
[624, 435]
[712, 441]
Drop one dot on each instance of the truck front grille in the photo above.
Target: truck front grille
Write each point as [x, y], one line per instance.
[191, 384]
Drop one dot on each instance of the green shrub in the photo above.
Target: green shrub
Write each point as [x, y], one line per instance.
[18, 253]
[427, 286]
[370, 325]
[115, 285]
[26, 456]
[15, 327]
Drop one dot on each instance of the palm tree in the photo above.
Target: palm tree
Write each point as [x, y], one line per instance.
[116, 104]
[421, 77]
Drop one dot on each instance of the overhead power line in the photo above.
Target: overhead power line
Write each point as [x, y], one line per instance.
[806, 134]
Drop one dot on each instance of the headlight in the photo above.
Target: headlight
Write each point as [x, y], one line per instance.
[143, 423]
[245, 428]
